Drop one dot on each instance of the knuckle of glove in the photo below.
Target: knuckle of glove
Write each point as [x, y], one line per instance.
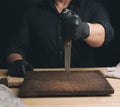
[72, 20]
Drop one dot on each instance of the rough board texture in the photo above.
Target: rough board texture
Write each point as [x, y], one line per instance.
[37, 84]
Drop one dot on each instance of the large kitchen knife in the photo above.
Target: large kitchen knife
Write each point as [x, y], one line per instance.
[68, 44]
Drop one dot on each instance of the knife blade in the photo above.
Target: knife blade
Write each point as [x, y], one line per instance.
[68, 45]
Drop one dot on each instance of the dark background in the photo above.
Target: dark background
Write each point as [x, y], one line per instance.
[10, 15]
[110, 55]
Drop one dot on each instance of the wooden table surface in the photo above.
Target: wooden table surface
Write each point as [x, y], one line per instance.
[95, 101]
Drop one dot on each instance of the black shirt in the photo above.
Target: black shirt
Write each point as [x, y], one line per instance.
[41, 40]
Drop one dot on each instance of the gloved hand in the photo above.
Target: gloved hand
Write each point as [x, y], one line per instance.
[72, 26]
[19, 68]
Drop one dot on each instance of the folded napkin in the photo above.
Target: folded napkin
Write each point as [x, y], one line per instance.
[8, 99]
[113, 72]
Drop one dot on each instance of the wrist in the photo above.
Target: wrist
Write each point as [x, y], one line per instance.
[13, 57]
[86, 30]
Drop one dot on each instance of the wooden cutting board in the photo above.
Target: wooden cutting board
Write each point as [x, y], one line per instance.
[50, 83]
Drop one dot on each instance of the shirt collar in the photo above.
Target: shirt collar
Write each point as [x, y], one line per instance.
[77, 5]
[73, 2]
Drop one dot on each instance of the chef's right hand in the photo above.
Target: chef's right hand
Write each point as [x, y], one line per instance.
[72, 26]
[19, 68]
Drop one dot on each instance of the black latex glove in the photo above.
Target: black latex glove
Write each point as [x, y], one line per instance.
[72, 26]
[19, 68]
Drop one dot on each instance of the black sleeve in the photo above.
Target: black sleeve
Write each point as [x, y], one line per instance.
[19, 43]
[100, 15]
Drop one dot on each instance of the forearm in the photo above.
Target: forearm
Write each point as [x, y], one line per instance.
[97, 35]
[13, 57]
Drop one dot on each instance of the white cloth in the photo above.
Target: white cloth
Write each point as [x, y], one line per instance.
[8, 99]
[113, 72]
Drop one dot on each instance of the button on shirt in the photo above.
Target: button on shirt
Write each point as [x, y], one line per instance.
[41, 40]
